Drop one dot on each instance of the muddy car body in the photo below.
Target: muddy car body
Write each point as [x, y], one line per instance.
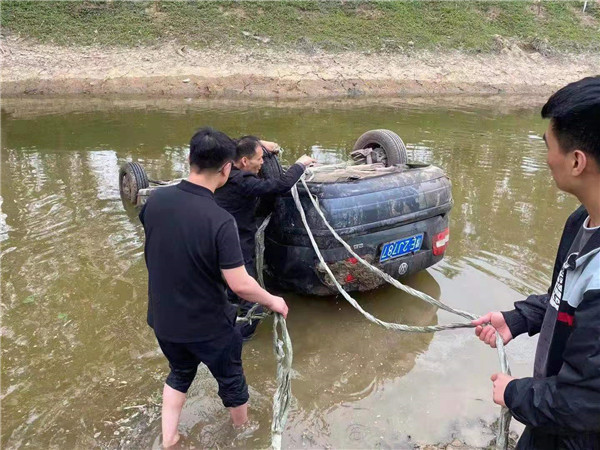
[406, 207]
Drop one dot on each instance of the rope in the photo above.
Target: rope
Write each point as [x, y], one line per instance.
[282, 347]
[260, 257]
[504, 423]
[502, 436]
[260, 249]
[385, 276]
[283, 394]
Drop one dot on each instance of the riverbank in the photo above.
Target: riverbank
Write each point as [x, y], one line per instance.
[296, 49]
[173, 70]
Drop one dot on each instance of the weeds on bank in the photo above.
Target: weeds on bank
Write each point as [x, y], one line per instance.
[373, 26]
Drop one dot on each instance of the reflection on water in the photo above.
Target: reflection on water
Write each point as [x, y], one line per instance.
[81, 368]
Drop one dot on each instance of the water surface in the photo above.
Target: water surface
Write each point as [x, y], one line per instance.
[80, 368]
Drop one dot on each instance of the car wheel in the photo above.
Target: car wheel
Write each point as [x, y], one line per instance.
[387, 146]
[132, 178]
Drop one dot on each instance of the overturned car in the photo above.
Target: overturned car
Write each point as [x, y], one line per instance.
[392, 212]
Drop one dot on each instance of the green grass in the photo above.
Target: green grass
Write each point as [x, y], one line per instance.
[309, 25]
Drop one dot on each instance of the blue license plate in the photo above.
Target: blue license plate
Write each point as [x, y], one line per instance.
[401, 247]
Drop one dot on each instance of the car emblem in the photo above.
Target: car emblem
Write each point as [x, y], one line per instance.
[403, 268]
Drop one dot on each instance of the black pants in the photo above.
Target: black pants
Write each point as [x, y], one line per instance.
[222, 356]
[246, 329]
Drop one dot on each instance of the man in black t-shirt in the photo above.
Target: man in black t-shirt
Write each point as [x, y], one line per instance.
[192, 250]
[241, 196]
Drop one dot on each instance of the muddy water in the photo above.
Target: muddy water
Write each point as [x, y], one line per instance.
[80, 368]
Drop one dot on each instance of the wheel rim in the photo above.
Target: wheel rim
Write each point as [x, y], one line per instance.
[128, 185]
[381, 154]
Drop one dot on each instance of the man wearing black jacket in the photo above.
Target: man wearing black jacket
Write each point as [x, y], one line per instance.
[241, 195]
[560, 404]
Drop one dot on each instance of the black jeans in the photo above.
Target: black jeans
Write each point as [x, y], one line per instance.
[246, 329]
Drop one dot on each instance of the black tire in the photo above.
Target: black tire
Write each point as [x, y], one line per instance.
[390, 142]
[271, 167]
[132, 178]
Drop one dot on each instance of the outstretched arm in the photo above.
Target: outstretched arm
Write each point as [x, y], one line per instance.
[258, 187]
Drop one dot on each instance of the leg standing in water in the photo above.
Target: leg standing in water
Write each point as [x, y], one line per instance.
[173, 401]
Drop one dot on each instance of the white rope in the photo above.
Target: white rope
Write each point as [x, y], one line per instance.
[385, 276]
[260, 257]
[282, 348]
[283, 394]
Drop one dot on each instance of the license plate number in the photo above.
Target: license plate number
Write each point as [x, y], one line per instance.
[401, 247]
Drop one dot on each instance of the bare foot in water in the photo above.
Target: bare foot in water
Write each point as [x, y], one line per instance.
[172, 443]
[245, 430]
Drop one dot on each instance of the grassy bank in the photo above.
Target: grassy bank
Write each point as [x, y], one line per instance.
[308, 25]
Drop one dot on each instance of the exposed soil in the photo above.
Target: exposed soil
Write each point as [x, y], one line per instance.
[172, 70]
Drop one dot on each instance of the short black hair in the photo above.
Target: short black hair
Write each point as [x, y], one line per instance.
[210, 149]
[574, 111]
[246, 146]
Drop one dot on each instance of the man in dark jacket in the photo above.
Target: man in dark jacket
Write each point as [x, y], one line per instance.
[560, 404]
[240, 197]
